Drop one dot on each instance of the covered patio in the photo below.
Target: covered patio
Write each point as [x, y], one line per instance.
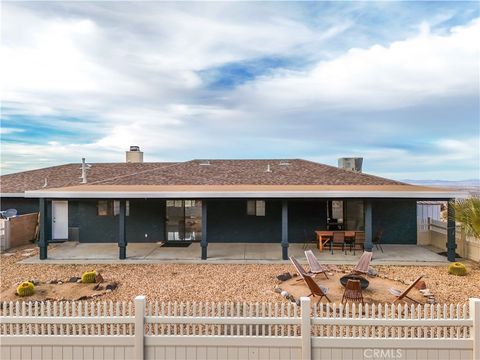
[233, 253]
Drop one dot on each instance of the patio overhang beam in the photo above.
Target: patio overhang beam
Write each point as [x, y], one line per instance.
[431, 195]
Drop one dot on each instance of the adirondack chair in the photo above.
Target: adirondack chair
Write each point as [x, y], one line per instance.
[315, 266]
[363, 263]
[300, 270]
[353, 292]
[404, 294]
[315, 289]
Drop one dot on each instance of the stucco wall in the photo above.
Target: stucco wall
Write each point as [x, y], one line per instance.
[397, 219]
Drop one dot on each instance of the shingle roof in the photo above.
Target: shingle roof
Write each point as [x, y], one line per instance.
[251, 172]
[69, 175]
[194, 172]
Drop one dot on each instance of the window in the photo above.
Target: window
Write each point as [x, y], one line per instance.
[105, 208]
[111, 207]
[256, 207]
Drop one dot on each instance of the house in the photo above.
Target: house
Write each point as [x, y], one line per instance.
[212, 201]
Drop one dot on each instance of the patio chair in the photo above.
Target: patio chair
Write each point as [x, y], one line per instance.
[350, 241]
[353, 292]
[337, 239]
[359, 239]
[315, 289]
[363, 263]
[400, 295]
[309, 239]
[315, 266]
[377, 240]
[300, 270]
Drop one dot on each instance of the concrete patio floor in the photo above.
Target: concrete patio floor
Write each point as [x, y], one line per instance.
[234, 253]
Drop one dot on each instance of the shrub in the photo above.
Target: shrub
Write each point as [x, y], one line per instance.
[457, 268]
[89, 276]
[26, 288]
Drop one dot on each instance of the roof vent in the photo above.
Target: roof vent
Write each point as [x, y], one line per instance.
[84, 168]
[204, 162]
[353, 164]
[134, 155]
[268, 168]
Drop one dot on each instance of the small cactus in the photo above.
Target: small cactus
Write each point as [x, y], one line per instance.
[26, 288]
[457, 268]
[89, 276]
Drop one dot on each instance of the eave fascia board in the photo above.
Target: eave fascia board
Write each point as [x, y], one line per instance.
[15, 195]
[243, 194]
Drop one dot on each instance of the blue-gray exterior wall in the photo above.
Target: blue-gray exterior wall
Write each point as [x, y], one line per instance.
[397, 219]
[146, 217]
[23, 206]
[228, 222]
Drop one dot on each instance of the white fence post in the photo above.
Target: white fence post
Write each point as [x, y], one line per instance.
[475, 334]
[139, 327]
[306, 329]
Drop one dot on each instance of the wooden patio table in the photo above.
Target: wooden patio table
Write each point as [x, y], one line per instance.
[324, 237]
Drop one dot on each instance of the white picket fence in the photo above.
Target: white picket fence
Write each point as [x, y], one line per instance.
[140, 330]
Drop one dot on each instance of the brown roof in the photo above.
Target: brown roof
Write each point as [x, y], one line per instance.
[69, 175]
[194, 172]
[240, 188]
[250, 172]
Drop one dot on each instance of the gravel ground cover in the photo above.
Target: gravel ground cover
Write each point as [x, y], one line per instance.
[222, 282]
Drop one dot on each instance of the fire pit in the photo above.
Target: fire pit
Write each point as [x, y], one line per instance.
[363, 282]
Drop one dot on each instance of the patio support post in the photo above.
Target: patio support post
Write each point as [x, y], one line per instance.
[284, 230]
[43, 242]
[368, 245]
[204, 241]
[122, 239]
[451, 243]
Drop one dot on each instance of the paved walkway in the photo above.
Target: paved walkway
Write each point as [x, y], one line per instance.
[234, 253]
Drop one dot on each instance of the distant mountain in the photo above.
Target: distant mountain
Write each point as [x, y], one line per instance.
[472, 185]
[447, 183]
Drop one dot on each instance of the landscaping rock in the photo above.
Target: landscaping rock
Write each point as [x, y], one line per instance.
[284, 293]
[34, 282]
[74, 279]
[98, 278]
[52, 281]
[79, 280]
[111, 286]
[372, 272]
[97, 287]
[278, 290]
[108, 290]
[284, 277]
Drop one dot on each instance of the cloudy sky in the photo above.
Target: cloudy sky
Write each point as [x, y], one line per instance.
[395, 83]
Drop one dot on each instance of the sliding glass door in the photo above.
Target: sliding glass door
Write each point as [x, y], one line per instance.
[184, 220]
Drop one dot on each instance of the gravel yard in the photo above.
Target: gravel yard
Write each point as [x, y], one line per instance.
[225, 282]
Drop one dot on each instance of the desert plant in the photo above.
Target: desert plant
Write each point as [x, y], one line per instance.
[26, 288]
[457, 268]
[467, 212]
[89, 276]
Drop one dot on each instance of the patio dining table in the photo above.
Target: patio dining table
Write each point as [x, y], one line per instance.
[324, 236]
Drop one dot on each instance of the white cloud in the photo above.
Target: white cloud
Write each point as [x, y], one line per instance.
[427, 67]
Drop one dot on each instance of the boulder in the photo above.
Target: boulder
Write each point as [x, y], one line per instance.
[111, 286]
[73, 279]
[284, 277]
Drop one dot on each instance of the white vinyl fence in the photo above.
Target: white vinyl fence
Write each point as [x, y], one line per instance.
[434, 232]
[108, 330]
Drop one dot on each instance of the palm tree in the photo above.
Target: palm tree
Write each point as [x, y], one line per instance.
[467, 212]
